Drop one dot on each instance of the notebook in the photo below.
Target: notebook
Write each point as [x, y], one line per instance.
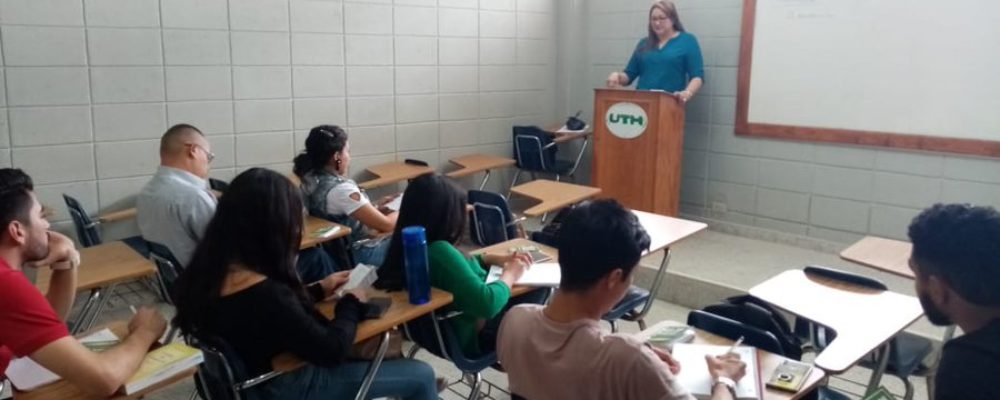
[540, 275]
[163, 363]
[25, 374]
[694, 374]
[395, 203]
[667, 336]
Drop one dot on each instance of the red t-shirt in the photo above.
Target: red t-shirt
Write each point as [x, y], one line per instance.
[27, 320]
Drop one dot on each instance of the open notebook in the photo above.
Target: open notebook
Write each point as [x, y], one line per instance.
[25, 374]
[694, 374]
[540, 275]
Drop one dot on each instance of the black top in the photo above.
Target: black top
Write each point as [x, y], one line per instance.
[267, 319]
[969, 366]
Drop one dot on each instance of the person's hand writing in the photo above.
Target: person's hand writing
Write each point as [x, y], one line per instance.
[675, 367]
[513, 270]
[62, 253]
[726, 365]
[148, 321]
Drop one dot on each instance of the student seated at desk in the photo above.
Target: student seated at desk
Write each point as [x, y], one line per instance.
[175, 206]
[241, 286]
[31, 325]
[956, 268]
[330, 194]
[436, 203]
[599, 247]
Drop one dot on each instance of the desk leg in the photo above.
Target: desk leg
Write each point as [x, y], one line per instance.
[486, 177]
[366, 384]
[92, 300]
[99, 307]
[882, 362]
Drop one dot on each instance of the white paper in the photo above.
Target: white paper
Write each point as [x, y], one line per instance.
[25, 374]
[395, 203]
[362, 276]
[541, 275]
[694, 374]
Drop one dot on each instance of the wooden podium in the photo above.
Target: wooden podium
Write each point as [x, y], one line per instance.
[638, 140]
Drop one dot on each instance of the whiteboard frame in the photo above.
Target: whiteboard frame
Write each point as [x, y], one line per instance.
[744, 127]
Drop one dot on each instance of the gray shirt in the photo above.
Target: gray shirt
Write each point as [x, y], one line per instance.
[174, 209]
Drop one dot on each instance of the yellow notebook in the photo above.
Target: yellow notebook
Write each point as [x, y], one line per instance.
[163, 363]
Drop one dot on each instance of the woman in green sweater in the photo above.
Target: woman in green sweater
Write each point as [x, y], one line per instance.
[439, 205]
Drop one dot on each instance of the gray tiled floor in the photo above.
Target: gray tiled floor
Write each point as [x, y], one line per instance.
[731, 260]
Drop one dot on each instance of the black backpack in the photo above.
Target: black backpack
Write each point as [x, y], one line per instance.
[756, 313]
[549, 235]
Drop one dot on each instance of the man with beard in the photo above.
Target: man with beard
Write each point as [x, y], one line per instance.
[32, 324]
[956, 263]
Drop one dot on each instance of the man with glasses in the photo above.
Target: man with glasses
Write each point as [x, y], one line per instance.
[174, 208]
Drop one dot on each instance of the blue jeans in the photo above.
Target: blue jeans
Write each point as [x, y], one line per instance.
[373, 255]
[402, 378]
[314, 264]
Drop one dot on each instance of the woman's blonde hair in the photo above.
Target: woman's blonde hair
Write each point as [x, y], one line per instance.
[670, 10]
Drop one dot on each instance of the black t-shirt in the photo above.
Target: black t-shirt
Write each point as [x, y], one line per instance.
[970, 366]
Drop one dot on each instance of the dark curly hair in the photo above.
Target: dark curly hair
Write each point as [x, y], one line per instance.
[960, 243]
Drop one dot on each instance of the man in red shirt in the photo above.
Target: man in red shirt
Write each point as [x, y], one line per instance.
[32, 324]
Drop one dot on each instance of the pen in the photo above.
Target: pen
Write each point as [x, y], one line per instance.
[735, 344]
[134, 311]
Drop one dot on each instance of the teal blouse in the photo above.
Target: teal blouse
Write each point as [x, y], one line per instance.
[669, 68]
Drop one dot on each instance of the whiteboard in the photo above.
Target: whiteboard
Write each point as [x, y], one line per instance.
[918, 68]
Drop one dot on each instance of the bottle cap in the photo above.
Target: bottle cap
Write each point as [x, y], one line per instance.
[414, 235]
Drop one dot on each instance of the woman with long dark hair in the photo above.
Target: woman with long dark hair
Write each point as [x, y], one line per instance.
[330, 194]
[439, 205]
[241, 286]
[667, 59]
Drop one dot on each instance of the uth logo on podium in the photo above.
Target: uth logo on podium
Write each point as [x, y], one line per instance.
[626, 120]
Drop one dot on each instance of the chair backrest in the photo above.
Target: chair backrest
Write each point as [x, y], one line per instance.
[733, 330]
[753, 312]
[530, 149]
[86, 228]
[167, 267]
[492, 221]
[437, 337]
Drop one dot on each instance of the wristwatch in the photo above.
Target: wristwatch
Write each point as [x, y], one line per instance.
[729, 383]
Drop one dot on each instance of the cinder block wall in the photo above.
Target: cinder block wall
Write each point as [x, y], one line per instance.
[829, 192]
[88, 86]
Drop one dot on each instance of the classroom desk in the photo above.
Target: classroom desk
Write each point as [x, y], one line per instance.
[102, 267]
[553, 195]
[503, 248]
[767, 361]
[892, 256]
[312, 224]
[64, 390]
[393, 172]
[475, 163]
[864, 319]
[400, 312]
[114, 216]
[563, 137]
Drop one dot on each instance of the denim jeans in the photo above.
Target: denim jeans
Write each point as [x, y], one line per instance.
[314, 264]
[374, 254]
[403, 378]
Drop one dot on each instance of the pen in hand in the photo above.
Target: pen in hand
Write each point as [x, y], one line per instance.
[134, 311]
[732, 350]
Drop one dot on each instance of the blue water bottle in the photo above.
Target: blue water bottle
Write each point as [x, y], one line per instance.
[418, 281]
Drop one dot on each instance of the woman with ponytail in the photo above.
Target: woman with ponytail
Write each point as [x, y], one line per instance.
[330, 194]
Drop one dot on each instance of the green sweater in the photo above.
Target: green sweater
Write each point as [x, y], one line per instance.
[465, 279]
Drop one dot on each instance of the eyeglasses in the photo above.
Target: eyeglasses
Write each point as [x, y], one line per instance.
[658, 18]
[208, 154]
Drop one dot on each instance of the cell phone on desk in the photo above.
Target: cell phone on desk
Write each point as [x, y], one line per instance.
[411, 161]
[376, 307]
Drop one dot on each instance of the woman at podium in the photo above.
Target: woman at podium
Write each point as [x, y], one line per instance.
[668, 59]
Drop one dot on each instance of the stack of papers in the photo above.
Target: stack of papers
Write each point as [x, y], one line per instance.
[362, 276]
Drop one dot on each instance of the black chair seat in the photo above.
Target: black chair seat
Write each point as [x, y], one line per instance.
[634, 298]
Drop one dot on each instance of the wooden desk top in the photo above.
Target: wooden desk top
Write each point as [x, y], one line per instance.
[863, 318]
[399, 312]
[553, 195]
[664, 231]
[892, 256]
[563, 137]
[768, 362]
[474, 163]
[503, 248]
[64, 390]
[103, 265]
[312, 224]
[393, 172]
[119, 215]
